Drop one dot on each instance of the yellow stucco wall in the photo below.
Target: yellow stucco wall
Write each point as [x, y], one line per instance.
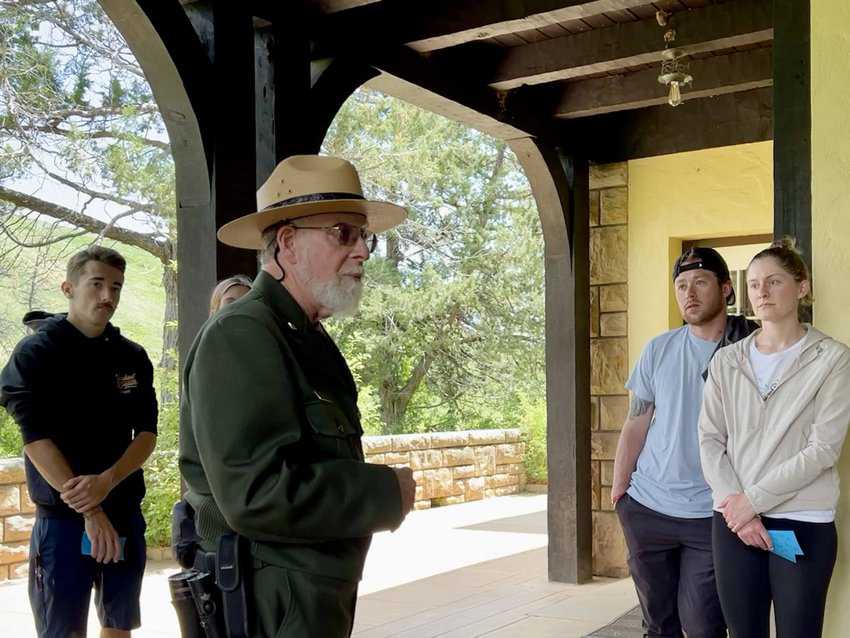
[831, 237]
[722, 192]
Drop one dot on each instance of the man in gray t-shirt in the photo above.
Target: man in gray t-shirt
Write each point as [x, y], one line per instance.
[660, 495]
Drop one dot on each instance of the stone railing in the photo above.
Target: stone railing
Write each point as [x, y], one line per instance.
[16, 519]
[449, 467]
[454, 467]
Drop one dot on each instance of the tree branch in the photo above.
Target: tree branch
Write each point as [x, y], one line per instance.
[99, 111]
[97, 135]
[109, 197]
[39, 244]
[144, 241]
[19, 4]
[66, 24]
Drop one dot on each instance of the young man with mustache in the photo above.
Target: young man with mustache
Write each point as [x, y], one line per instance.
[659, 492]
[83, 397]
[270, 431]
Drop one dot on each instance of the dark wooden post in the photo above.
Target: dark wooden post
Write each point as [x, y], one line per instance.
[792, 125]
[234, 160]
[284, 120]
[177, 65]
[561, 188]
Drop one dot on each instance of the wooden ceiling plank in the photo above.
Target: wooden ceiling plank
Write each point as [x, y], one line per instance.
[735, 118]
[644, 13]
[600, 21]
[620, 16]
[669, 5]
[555, 30]
[533, 35]
[332, 6]
[718, 75]
[627, 45]
[439, 24]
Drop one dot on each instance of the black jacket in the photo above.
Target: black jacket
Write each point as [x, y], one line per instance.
[270, 440]
[737, 327]
[90, 396]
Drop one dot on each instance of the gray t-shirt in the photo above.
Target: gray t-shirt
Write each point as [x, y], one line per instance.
[668, 477]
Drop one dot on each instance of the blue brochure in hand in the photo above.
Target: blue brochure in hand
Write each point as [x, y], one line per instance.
[785, 544]
[86, 545]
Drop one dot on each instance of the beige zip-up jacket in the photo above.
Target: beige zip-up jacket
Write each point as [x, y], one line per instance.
[779, 451]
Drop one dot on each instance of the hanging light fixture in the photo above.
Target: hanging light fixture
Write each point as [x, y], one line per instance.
[674, 70]
[674, 75]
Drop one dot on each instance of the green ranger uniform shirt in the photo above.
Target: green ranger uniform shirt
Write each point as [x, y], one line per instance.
[270, 440]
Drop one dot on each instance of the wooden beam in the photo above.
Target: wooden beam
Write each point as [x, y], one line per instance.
[443, 103]
[448, 91]
[792, 141]
[234, 172]
[444, 88]
[560, 185]
[725, 120]
[632, 44]
[332, 6]
[332, 84]
[438, 24]
[719, 75]
[282, 80]
[177, 67]
[721, 242]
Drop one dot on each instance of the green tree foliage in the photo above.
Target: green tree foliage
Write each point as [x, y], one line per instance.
[451, 330]
[83, 148]
[34, 283]
[450, 333]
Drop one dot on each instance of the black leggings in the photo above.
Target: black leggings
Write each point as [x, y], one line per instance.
[748, 579]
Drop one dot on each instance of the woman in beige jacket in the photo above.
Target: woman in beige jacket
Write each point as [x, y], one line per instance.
[774, 416]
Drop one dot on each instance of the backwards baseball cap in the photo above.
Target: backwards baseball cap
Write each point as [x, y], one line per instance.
[704, 258]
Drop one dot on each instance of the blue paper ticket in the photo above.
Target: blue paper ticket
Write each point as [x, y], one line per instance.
[785, 544]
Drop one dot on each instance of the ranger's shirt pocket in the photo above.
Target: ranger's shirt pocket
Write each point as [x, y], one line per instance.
[333, 434]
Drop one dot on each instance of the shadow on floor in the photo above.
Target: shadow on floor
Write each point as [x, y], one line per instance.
[534, 523]
[629, 625]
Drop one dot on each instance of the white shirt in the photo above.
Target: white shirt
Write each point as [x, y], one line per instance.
[768, 369]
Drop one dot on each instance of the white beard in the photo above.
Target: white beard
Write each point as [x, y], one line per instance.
[340, 296]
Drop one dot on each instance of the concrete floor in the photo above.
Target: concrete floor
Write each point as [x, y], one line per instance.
[476, 569]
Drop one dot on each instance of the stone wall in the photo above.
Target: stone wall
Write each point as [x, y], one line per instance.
[454, 467]
[609, 353]
[16, 519]
[449, 467]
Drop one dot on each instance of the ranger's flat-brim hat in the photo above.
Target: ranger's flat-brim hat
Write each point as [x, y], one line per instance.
[304, 185]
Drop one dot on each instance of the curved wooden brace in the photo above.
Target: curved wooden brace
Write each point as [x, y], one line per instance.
[560, 187]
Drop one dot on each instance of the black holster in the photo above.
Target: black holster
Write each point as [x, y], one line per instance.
[233, 567]
[184, 537]
[211, 599]
[197, 602]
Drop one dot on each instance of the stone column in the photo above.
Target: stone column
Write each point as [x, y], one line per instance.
[609, 353]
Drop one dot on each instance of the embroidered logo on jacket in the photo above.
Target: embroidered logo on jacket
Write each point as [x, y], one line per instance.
[126, 382]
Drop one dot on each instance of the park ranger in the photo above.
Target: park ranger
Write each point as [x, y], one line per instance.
[270, 445]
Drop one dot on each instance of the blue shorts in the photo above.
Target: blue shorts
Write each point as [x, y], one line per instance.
[61, 578]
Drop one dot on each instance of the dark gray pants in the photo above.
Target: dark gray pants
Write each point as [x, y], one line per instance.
[671, 563]
[293, 604]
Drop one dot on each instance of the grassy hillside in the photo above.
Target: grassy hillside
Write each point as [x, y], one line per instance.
[30, 279]
[32, 282]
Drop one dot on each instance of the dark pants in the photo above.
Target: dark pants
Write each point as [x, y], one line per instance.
[293, 604]
[748, 579]
[61, 578]
[671, 563]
